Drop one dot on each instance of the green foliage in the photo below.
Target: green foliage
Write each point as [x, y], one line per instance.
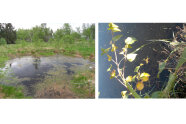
[117, 37]
[82, 85]
[161, 67]
[89, 31]
[2, 41]
[12, 92]
[7, 32]
[130, 40]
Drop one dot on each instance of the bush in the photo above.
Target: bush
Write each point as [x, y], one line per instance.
[2, 41]
[68, 39]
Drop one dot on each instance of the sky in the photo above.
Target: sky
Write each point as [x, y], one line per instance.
[53, 26]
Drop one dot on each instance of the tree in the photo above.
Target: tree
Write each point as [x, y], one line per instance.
[89, 31]
[7, 31]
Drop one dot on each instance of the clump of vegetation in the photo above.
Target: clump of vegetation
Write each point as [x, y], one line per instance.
[140, 77]
[83, 85]
[11, 92]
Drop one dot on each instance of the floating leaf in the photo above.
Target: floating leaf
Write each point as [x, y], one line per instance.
[140, 86]
[109, 68]
[137, 69]
[113, 48]
[123, 94]
[117, 37]
[130, 40]
[109, 57]
[161, 68]
[104, 51]
[128, 46]
[131, 57]
[113, 74]
[129, 79]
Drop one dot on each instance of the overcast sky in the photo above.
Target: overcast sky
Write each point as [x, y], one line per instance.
[53, 26]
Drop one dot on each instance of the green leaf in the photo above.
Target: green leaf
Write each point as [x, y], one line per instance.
[181, 60]
[109, 68]
[146, 95]
[137, 69]
[109, 57]
[128, 46]
[117, 37]
[161, 68]
[131, 57]
[157, 94]
[130, 40]
[104, 51]
[133, 78]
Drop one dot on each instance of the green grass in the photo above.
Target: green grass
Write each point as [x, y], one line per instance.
[83, 86]
[11, 92]
[85, 49]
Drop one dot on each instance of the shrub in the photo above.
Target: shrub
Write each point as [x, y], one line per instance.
[2, 41]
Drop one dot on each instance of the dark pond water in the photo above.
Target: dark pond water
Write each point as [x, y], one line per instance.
[143, 32]
[29, 71]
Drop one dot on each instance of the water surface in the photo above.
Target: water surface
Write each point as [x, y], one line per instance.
[30, 72]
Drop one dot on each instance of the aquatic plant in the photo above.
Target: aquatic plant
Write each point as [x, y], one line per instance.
[140, 77]
[119, 72]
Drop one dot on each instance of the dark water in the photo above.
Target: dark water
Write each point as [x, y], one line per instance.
[111, 88]
[28, 71]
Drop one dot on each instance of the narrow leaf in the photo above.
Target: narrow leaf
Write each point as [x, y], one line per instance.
[117, 37]
[161, 68]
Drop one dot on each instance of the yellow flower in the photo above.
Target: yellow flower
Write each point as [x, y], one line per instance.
[140, 86]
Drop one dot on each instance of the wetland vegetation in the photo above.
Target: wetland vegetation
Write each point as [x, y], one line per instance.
[42, 63]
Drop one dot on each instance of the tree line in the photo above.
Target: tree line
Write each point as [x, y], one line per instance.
[42, 33]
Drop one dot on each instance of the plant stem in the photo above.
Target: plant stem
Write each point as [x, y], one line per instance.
[129, 87]
[170, 85]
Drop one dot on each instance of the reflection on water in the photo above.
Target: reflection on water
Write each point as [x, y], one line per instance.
[28, 71]
[143, 32]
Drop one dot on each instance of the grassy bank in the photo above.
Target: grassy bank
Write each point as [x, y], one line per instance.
[79, 49]
[83, 84]
[11, 92]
